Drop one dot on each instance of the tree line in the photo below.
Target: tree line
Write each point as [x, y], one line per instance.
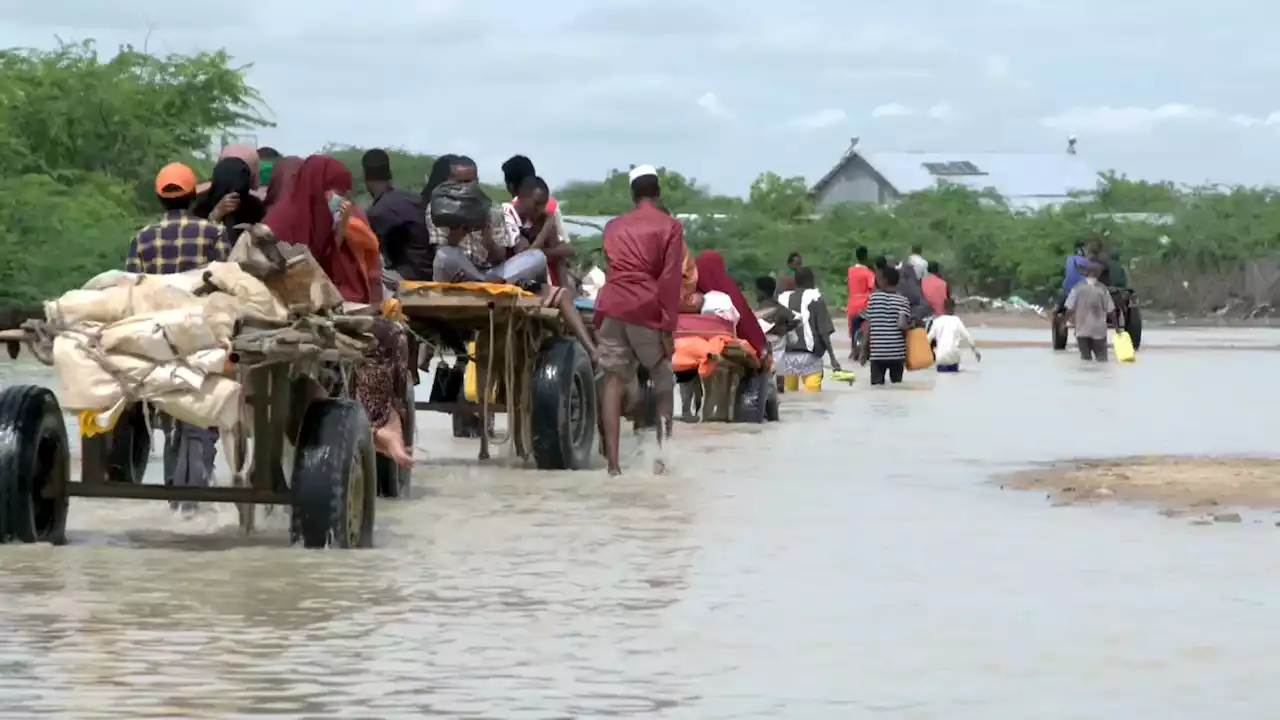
[81, 139]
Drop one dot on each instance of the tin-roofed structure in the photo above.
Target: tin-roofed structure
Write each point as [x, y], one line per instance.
[1027, 180]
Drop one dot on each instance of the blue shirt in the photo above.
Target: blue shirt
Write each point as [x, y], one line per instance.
[1075, 271]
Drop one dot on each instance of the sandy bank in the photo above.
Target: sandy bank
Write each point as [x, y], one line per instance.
[1203, 488]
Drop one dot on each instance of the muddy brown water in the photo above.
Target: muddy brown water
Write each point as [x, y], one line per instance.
[851, 561]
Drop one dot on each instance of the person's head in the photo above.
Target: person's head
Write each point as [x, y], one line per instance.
[795, 261]
[283, 172]
[861, 254]
[917, 249]
[882, 262]
[949, 306]
[377, 170]
[515, 170]
[934, 267]
[320, 175]
[267, 157]
[176, 187]
[439, 175]
[889, 278]
[766, 287]
[644, 184]
[463, 171]
[230, 175]
[531, 198]
[805, 279]
[1095, 246]
[1092, 271]
[247, 153]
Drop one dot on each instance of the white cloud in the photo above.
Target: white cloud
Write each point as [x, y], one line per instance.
[819, 120]
[713, 106]
[892, 110]
[1245, 121]
[1128, 120]
[1273, 120]
[941, 111]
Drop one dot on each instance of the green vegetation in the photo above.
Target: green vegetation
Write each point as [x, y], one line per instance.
[81, 139]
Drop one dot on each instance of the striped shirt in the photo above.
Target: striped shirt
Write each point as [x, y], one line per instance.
[884, 314]
[179, 242]
[473, 244]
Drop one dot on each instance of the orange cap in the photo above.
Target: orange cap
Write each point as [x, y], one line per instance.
[175, 180]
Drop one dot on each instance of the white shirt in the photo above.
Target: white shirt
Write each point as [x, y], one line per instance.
[593, 281]
[920, 265]
[949, 332]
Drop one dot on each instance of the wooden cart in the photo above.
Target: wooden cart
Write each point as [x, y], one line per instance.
[296, 382]
[738, 391]
[527, 366]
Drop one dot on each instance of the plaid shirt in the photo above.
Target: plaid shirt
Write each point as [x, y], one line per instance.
[179, 242]
[473, 243]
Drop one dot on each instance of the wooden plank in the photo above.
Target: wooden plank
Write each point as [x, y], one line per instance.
[456, 407]
[125, 491]
[15, 335]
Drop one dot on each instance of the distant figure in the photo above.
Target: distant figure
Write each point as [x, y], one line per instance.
[399, 219]
[267, 158]
[231, 187]
[1088, 306]
[777, 318]
[885, 340]
[801, 364]
[861, 282]
[787, 279]
[917, 261]
[638, 308]
[935, 289]
[948, 334]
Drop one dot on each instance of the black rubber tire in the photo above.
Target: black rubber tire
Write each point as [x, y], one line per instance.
[750, 403]
[1058, 321]
[34, 454]
[334, 440]
[564, 407]
[394, 481]
[771, 413]
[1133, 324]
[129, 446]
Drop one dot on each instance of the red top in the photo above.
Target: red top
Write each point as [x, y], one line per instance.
[713, 276]
[862, 282]
[645, 250]
[302, 217]
[935, 292]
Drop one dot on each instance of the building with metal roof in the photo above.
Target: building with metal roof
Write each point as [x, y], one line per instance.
[1026, 180]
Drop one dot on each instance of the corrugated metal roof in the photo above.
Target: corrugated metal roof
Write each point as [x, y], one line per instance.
[1029, 178]
[592, 225]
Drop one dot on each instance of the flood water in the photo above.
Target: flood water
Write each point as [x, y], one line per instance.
[852, 561]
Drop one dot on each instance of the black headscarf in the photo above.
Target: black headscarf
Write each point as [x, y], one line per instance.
[439, 175]
[231, 175]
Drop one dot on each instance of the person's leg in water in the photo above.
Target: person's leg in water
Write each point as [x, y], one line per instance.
[376, 386]
[618, 361]
[531, 266]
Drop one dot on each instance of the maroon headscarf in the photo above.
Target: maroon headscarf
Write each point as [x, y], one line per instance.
[302, 217]
[282, 175]
[713, 276]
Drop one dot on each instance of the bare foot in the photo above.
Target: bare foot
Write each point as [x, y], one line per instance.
[389, 441]
[615, 471]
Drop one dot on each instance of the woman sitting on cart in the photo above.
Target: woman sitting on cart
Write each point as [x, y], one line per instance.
[316, 213]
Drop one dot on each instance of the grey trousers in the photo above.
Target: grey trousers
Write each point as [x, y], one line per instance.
[189, 452]
[453, 265]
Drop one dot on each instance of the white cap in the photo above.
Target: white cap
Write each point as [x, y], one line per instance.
[640, 171]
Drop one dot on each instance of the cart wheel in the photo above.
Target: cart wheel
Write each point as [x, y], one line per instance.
[393, 480]
[564, 407]
[129, 446]
[751, 400]
[771, 413]
[1134, 325]
[35, 466]
[1058, 321]
[334, 477]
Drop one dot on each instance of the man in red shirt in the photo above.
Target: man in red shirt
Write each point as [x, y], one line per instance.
[637, 308]
[935, 289]
[862, 282]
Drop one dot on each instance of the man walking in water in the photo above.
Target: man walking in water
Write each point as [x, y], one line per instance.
[637, 309]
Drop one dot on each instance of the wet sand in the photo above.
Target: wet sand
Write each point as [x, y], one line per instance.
[852, 561]
[1178, 486]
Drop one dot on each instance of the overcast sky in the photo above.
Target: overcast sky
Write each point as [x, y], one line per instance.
[725, 90]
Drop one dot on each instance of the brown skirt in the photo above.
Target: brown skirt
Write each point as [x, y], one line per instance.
[381, 382]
